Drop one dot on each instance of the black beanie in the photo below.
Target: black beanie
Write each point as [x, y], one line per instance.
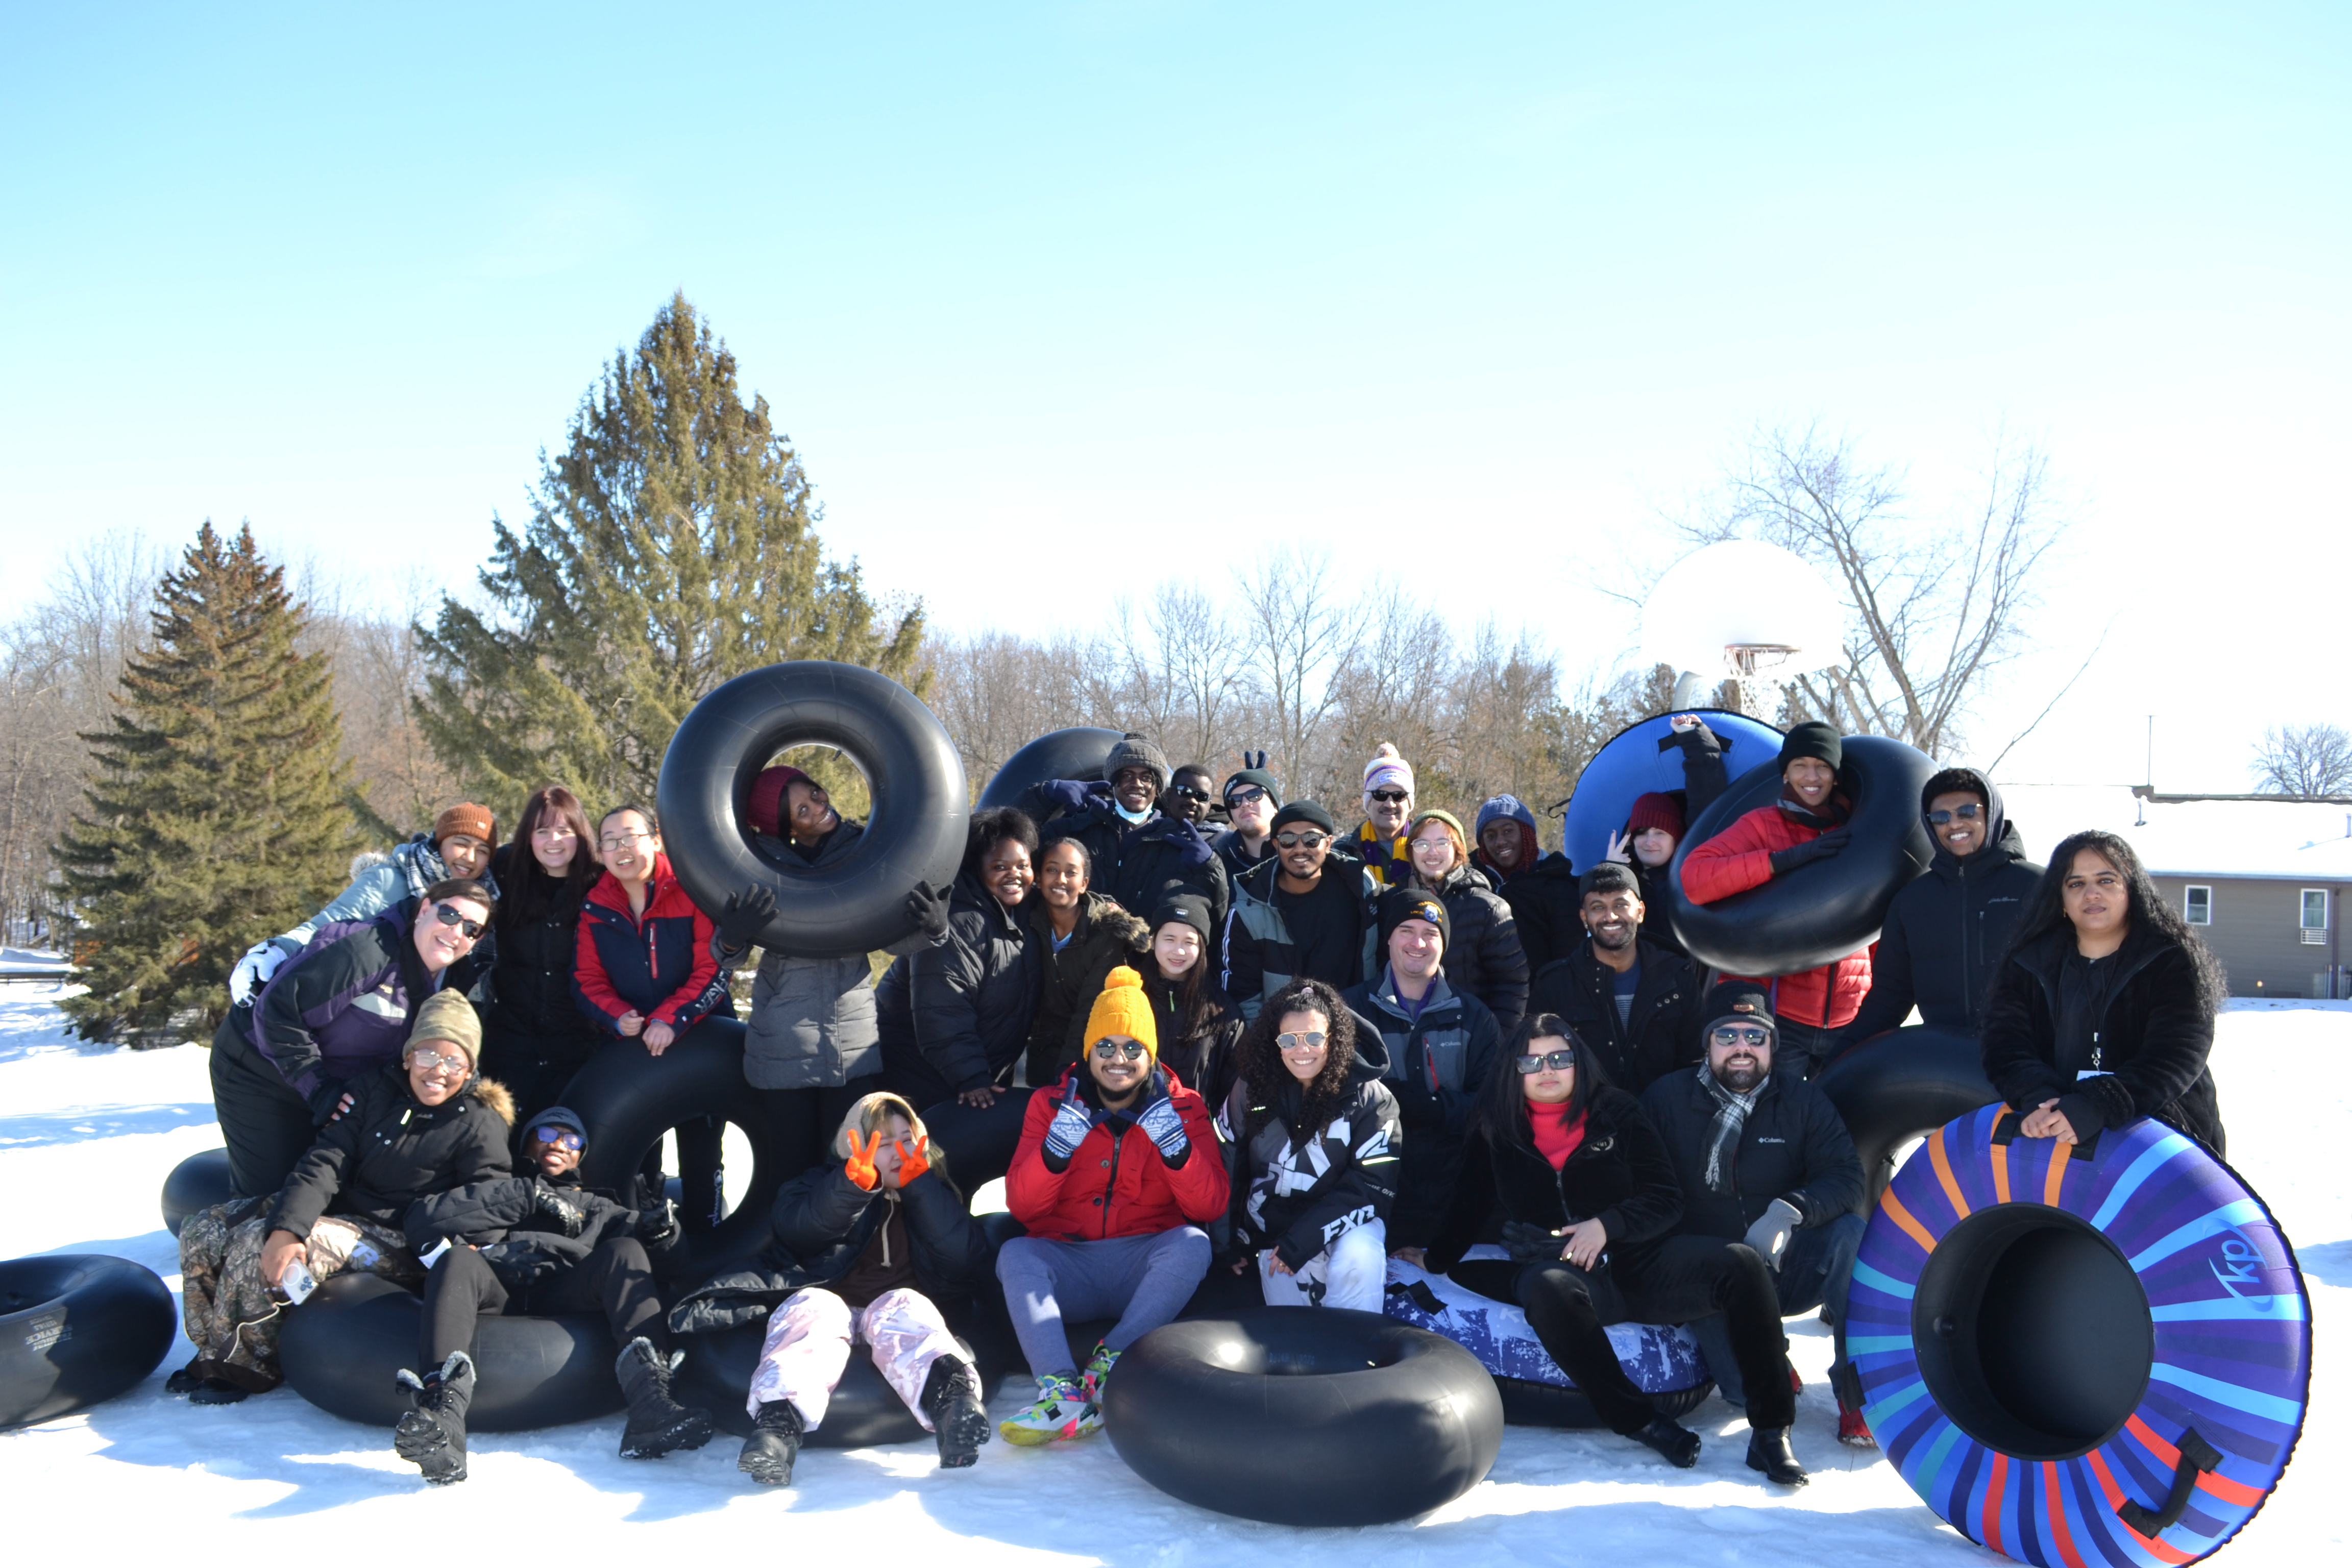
[1741, 1002]
[1258, 776]
[1134, 752]
[1609, 877]
[1189, 908]
[1305, 811]
[1812, 739]
[1399, 905]
[556, 1116]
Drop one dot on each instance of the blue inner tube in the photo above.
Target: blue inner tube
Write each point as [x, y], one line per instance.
[1631, 764]
[1077, 752]
[75, 1329]
[915, 832]
[2097, 1353]
[1817, 913]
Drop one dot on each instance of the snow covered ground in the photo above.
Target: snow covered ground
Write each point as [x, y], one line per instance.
[86, 1135]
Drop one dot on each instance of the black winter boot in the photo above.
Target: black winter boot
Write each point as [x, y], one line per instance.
[432, 1436]
[1679, 1443]
[1769, 1451]
[774, 1443]
[952, 1399]
[658, 1423]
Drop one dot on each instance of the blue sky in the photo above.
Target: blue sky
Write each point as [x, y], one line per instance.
[1128, 288]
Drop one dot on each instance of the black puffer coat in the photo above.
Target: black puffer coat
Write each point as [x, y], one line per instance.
[956, 1017]
[1137, 864]
[1202, 1057]
[531, 977]
[1437, 1064]
[1068, 982]
[1946, 931]
[1793, 1145]
[1620, 1175]
[390, 1149]
[1299, 1189]
[1483, 957]
[1661, 1034]
[1545, 907]
[520, 1240]
[2152, 1040]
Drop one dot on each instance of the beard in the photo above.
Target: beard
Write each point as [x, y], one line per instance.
[1740, 1077]
[1618, 940]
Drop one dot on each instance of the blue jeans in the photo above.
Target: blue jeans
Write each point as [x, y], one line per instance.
[1816, 1268]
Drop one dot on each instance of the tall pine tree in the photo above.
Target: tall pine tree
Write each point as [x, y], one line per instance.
[216, 813]
[671, 547]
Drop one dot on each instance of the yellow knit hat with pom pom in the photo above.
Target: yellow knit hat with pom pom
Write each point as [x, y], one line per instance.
[1123, 1009]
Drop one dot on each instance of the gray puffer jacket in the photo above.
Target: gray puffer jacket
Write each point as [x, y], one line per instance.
[812, 1023]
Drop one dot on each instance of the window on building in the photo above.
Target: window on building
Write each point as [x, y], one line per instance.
[2315, 909]
[2199, 906]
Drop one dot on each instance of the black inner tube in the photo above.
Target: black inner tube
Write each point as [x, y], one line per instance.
[2033, 1333]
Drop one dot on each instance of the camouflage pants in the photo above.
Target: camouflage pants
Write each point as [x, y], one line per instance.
[232, 1316]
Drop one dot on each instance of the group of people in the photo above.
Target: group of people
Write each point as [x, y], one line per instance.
[1275, 1056]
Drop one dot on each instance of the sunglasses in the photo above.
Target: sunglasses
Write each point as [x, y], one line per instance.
[562, 1138]
[440, 1061]
[1740, 1034]
[1302, 840]
[448, 916]
[1551, 1061]
[1390, 796]
[1312, 1039]
[1186, 792]
[1111, 1050]
[1250, 796]
[1965, 813]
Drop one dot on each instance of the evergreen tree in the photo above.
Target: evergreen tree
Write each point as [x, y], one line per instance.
[216, 815]
[671, 547]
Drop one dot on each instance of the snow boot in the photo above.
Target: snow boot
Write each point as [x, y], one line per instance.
[657, 1423]
[774, 1443]
[1679, 1443]
[1769, 1451]
[951, 1400]
[1060, 1412]
[1854, 1431]
[1098, 1373]
[432, 1436]
[189, 1378]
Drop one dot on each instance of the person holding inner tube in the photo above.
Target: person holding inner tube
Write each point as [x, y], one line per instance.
[1586, 1198]
[1947, 932]
[419, 1124]
[2104, 1008]
[1118, 1172]
[643, 972]
[537, 1243]
[459, 848]
[1298, 916]
[1658, 820]
[1806, 825]
[1440, 1049]
[1140, 852]
[1315, 1137]
[868, 1244]
[1080, 936]
[1252, 798]
[533, 1038]
[1764, 1159]
[1378, 839]
[1539, 887]
[1197, 1027]
[339, 1010]
[954, 1018]
[1483, 959]
[813, 1043]
[1636, 1004]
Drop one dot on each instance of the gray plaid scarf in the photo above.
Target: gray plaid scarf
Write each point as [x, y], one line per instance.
[1723, 1138]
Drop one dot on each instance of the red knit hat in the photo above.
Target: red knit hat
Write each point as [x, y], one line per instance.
[1655, 810]
[765, 810]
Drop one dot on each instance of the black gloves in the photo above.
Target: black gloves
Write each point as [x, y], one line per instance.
[928, 907]
[657, 1228]
[1787, 860]
[745, 917]
[560, 1206]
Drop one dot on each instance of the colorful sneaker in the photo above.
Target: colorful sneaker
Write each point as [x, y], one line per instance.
[1852, 1430]
[1060, 1413]
[1098, 1373]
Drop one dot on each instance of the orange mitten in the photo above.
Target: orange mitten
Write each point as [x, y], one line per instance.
[860, 1166]
[914, 1162]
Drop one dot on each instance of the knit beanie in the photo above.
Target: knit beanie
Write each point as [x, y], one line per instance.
[1434, 813]
[1812, 739]
[1399, 905]
[1386, 768]
[466, 817]
[1123, 1009]
[1133, 751]
[446, 1015]
[562, 1116]
[1739, 1002]
[1609, 877]
[764, 811]
[1305, 811]
[1258, 776]
[1192, 908]
[1656, 810]
[1505, 806]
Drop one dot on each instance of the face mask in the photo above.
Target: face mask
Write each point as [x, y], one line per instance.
[1136, 817]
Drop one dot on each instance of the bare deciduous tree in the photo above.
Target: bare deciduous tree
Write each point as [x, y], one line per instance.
[2303, 759]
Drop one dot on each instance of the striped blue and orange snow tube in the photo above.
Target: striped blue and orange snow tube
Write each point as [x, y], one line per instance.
[2080, 1355]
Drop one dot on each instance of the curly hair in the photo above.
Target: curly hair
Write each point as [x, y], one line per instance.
[1261, 1065]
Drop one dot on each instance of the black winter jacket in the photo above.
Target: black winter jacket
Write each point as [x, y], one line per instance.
[1792, 1146]
[1620, 1175]
[1137, 864]
[531, 977]
[1273, 937]
[1201, 1058]
[390, 1149]
[1669, 1007]
[1068, 982]
[2151, 1042]
[520, 1241]
[1483, 957]
[956, 1017]
[1946, 931]
[1546, 908]
[1235, 856]
[823, 1222]
[1437, 1064]
[1299, 1189]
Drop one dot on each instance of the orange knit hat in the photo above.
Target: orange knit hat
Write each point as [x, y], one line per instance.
[1123, 1009]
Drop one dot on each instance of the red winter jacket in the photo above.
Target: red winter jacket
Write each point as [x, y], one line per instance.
[1740, 858]
[1117, 1183]
[658, 964]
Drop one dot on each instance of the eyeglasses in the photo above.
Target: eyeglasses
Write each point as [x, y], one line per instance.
[1249, 797]
[622, 840]
[1418, 845]
[1551, 1061]
[1302, 840]
[1965, 813]
[441, 1061]
[1112, 1049]
[561, 1138]
[1311, 1040]
[448, 916]
[1390, 796]
[1740, 1034]
[1135, 776]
